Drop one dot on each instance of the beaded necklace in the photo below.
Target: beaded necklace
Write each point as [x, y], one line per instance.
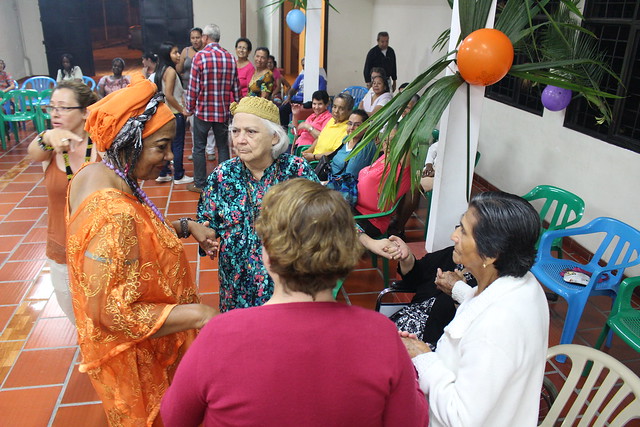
[87, 159]
[138, 191]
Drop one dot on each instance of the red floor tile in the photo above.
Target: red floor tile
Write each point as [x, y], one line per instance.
[208, 282]
[15, 228]
[52, 309]
[33, 202]
[36, 235]
[22, 320]
[31, 407]
[20, 270]
[8, 244]
[42, 288]
[187, 208]
[29, 251]
[86, 415]
[5, 315]
[5, 208]
[55, 332]
[212, 300]
[40, 367]
[79, 389]
[13, 292]
[24, 214]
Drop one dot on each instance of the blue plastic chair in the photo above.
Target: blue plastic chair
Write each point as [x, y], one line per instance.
[89, 82]
[39, 83]
[358, 92]
[618, 239]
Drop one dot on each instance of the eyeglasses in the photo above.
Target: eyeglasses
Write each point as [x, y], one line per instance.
[50, 109]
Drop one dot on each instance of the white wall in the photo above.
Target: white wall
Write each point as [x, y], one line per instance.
[23, 51]
[11, 47]
[349, 39]
[413, 27]
[225, 14]
[521, 150]
[31, 30]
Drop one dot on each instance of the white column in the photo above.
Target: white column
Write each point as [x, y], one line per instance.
[312, 47]
[449, 198]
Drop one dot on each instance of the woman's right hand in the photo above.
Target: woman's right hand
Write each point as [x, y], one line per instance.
[445, 280]
[61, 140]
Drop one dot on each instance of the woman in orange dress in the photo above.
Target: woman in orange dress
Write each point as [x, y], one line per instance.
[135, 302]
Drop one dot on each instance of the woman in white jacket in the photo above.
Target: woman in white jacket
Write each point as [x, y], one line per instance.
[489, 364]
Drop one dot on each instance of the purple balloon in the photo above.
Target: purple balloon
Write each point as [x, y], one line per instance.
[555, 98]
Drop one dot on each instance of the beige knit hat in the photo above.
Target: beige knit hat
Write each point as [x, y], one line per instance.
[258, 106]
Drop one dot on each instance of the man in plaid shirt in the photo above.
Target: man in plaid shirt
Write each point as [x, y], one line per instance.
[213, 85]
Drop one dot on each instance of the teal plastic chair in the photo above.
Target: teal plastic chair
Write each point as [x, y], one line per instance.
[624, 319]
[25, 102]
[358, 93]
[617, 239]
[374, 257]
[561, 209]
[43, 117]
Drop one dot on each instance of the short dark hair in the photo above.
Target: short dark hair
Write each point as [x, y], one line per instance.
[379, 70]
[361, 113]
[403, 85]
[321, 95]
[507, 229]
[196, 29]
[264, 49]
[247, 41]
[150, 55]
[382, 34]
[348, 100]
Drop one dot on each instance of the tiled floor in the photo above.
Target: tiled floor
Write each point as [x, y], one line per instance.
[39, 381]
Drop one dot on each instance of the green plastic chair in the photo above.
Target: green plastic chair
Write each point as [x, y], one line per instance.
[563, 207]
[374, 257]
[624, 320]
[25, 102]
[300, 149]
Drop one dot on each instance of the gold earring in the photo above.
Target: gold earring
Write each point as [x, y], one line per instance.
[484, 265]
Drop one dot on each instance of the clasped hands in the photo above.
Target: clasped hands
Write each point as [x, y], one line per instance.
[205, 236]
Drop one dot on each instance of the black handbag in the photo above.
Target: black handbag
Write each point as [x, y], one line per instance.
[323, 168]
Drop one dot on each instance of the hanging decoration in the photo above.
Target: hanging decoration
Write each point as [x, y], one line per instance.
[485, 57]
[296, 20]
[555, 98]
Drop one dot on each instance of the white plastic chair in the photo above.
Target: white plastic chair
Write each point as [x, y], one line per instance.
[605, 391]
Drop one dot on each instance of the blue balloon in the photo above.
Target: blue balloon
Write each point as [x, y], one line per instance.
[296, 20]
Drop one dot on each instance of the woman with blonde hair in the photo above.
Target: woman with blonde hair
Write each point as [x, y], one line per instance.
[62, 151]
[302, 358]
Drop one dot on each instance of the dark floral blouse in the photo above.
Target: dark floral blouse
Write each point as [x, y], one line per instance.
[231, 202]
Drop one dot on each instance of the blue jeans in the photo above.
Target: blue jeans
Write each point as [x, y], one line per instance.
[177, 146]
[200, 131]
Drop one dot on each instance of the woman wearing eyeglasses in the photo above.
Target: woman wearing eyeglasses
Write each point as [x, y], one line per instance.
[62, 151]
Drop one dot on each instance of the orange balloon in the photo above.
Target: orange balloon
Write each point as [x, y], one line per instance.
[485, 57]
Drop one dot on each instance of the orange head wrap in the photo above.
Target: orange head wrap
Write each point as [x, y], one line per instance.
[110, 116]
